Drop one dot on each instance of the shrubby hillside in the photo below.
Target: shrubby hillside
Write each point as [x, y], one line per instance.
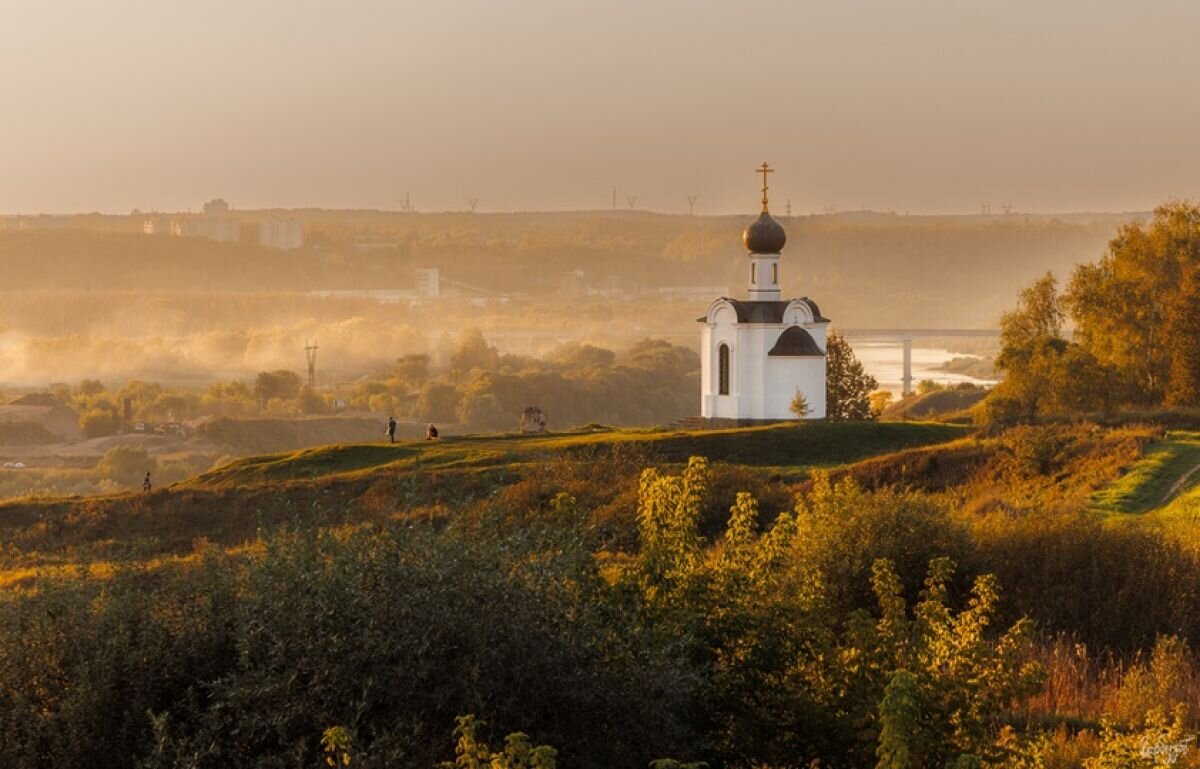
[853, 594]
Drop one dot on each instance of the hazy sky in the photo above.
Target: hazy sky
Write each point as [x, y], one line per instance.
[931, 106]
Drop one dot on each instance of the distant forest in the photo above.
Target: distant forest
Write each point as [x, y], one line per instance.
[864, 269]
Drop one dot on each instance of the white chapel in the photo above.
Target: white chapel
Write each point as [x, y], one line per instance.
[758, 352]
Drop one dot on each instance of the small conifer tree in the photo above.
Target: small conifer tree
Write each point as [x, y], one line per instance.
[799, 406]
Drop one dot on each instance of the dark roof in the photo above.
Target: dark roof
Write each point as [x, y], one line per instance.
[795, 342]
[767, 312]
[759, 312]
[816, 311]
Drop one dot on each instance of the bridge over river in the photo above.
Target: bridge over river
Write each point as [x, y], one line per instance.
[906, 337]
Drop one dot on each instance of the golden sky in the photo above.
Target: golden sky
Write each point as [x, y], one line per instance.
[921, 105]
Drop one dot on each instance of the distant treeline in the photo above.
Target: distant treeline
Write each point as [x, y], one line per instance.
[652, 383]
[869, 269]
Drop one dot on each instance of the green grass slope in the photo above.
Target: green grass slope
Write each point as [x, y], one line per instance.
[788, 447]
[356, 484]
[1168, 470]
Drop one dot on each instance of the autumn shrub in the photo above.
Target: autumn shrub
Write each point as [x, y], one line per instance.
[471, 752]
[843, 529]
[1032, 451]
[83, 662]
[390, 632]
[796, 672]
[1115, 587]
[126, 465]
[944, 680]
[1166, 677]
[99, 422]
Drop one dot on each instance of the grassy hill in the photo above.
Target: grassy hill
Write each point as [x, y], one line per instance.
[352, 484]
[1116, 471]
[787, 448]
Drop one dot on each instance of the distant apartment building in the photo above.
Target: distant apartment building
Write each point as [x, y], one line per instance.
[429, 282]
[156, 224]
[214, 224]
[220, 229]
[278, 232]
[217, 224]
[216, 208]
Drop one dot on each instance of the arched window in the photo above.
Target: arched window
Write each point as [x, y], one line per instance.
[723, 370]
[775, 274]
[753, 273]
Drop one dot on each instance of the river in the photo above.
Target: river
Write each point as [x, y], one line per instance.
[885, 361]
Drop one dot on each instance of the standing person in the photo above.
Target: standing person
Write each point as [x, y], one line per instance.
[431, 432]
[146, 484]
[391, 433]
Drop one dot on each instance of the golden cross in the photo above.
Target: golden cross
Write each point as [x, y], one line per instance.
[764, 169]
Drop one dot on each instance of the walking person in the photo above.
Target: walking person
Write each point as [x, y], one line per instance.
[391, 431]
[431, 432]
[146, 484]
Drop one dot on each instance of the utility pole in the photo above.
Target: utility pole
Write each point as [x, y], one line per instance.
[789, 208]
[472, 202]
[310, 353]
[632, 201]
[614, 197]
[692, 204]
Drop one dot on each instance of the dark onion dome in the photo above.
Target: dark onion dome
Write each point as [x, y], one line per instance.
[795, 342]
[764, 235]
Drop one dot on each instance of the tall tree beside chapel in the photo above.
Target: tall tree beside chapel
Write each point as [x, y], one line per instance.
[848, 386]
